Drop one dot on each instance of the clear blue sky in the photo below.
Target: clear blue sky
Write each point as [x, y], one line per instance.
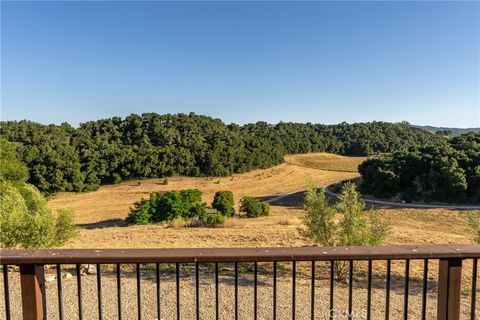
[317, 62]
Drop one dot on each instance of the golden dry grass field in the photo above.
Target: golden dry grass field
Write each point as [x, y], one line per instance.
[100, 214]
[113, 202]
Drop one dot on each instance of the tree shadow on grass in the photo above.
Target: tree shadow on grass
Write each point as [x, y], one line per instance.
[294, 200]
[103, 224]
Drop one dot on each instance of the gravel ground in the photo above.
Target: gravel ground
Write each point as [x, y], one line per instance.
[245, 293]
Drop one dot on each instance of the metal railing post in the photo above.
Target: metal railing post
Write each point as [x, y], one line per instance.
[449, 289]
[32, 279]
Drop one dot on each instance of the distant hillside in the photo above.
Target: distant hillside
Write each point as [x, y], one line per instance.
[454, 131]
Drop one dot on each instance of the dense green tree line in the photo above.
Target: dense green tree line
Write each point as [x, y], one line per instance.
[447, 173]
[64, 158]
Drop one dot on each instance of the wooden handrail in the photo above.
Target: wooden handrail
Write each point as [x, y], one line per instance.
[450, 258]
[72, 256]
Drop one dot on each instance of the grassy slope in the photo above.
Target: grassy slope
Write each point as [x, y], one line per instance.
[113, 202]
[279, 229]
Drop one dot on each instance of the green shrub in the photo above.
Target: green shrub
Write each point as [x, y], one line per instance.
[223, 202]
[202, 219]
[254, 208]
[167, 206]
[140, 213]
[213, 219]
[265, 208]
[356, 227]
[198, 210]
[183, 206]
[164, 182]
[189, 199]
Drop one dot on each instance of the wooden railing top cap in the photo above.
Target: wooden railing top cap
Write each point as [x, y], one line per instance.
[185, 255]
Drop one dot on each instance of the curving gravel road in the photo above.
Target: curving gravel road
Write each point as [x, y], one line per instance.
[382, 202]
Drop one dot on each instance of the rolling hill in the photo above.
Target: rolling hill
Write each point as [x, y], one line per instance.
[454, 131]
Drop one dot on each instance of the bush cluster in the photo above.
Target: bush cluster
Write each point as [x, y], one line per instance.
[213, 219]
[254, 208]
[223, 202]
[183, 205]
[187, 207]
[168, 206]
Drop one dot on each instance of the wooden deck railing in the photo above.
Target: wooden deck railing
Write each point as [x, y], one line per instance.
[449, 278]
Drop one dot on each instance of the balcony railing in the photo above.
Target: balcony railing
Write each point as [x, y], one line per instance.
[308, 277]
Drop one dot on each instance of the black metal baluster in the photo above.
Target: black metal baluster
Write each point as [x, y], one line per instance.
[255, 291]
[387, 291]
[424, 289]
[139, 293]
[274, 290]
[407, 283]
[217, 314]
[236, 290]
[157, 271]
[177, 275]
[350, 288]
[332, 279]
[99, 291]
[474, 289]
[59, 292]
[294, 290]
[119, 293]
[197, 291]
[312, 293]
[369, 290]
[79, 292]
[6, 288]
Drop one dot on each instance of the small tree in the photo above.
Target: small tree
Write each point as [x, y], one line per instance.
[254, 208]
[319, 217]
[356, 226]
[473, 219]
[223, 202]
